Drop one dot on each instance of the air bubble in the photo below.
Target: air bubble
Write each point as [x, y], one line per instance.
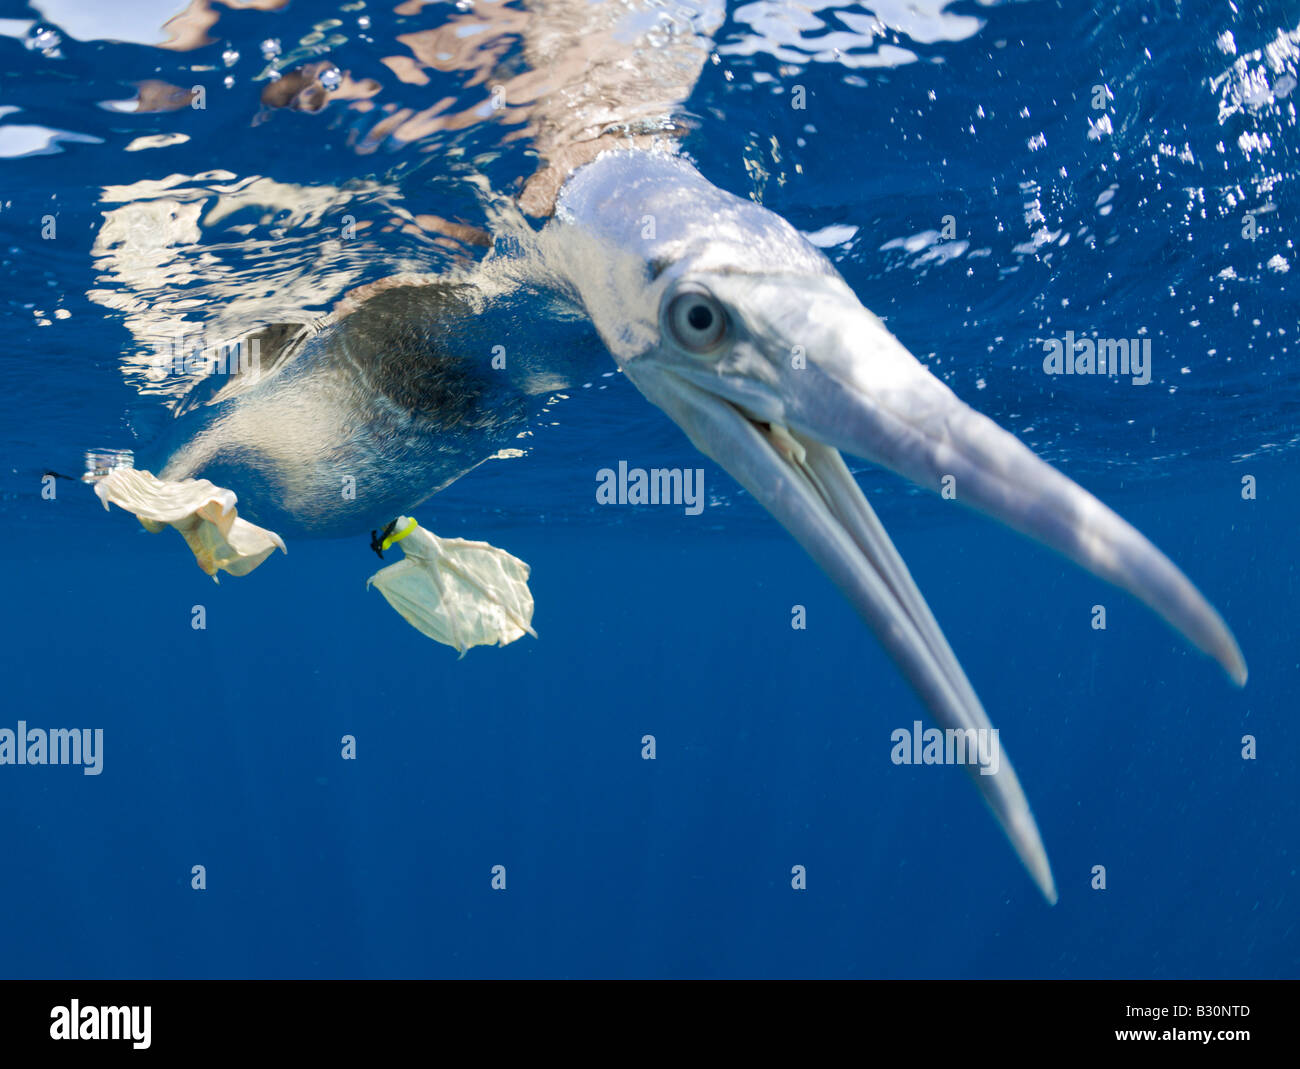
[45, 40]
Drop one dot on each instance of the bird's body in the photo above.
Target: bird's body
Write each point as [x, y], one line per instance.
[369, 415]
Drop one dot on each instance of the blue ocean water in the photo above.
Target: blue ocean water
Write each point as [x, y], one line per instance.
[222, 746]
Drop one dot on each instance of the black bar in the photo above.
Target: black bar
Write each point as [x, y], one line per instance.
[343, 1018]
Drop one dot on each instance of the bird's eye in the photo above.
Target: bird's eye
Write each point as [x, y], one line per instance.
[696, 320]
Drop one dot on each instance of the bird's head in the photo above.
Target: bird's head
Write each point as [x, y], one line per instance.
[725, 317]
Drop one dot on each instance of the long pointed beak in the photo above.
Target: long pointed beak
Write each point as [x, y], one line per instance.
[776, 424]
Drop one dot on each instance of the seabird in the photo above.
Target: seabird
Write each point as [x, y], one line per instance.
[718, 310]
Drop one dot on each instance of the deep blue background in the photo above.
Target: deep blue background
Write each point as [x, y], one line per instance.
[222, 746]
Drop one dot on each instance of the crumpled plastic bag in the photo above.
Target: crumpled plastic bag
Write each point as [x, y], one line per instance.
[203, 512]
[457, 592]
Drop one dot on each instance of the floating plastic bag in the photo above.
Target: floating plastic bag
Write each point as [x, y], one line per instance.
[204, 514]
[459, 593]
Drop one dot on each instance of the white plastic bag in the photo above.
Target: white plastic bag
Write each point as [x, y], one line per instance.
[203, 512]
[459, 593]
